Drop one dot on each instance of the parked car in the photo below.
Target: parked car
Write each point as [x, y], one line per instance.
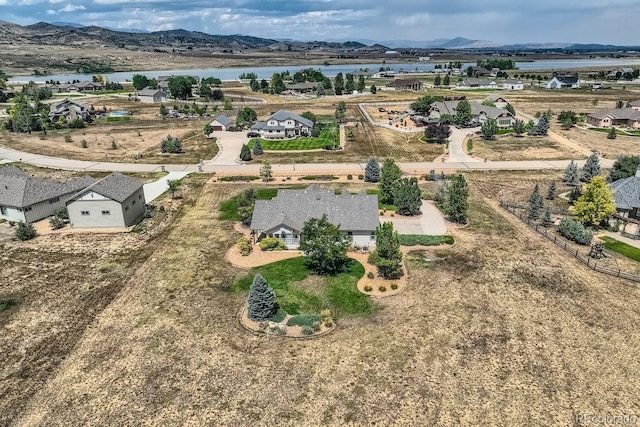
[253, 134]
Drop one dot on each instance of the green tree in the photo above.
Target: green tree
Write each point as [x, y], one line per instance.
[320, 89]
[180, 87]
[407, 197]
[591, 168]
[447, 80]
[535, 204]
[463, 113]
[163, 110]
[140, 81]
[257, 148]
[387, 255]
[324, 247]
[254, 85]
[205, 91]
[171, 145]
[341, 112]
[551, 192]
[619, 104]
[277, 84]
[518, 127]
[571, 174]
[510, 109]
[457, 203]
[246, 117]
[437, 81]
[624, 167]
[372, 170]
[423, 104]
[567, 124]
[541, 128]
[373, 89]
[612, 134]
[266, 171]
[22, 115]
[208, 129]
[350, 85]
[25, 231]
[310, 116]
[174, 185]
[261, 302]
[338, 84]
[245, 153]
[470, 145]
[390, 175]
[596, 203]
[568, 116]
[489, 129]
[546, 218]
[361, 85]
[227, 104]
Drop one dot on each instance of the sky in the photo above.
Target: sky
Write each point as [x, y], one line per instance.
[506, 22]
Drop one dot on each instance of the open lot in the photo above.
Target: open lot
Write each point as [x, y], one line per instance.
[509, 147]
[500, 328]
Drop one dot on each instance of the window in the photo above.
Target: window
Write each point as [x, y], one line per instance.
[84, 213]
[3, 210]
[139, 196]
[54, 200]
[27, 209]
[373, 235]
[106, 212]
[133, 202]
[350, 235]
[126, 208]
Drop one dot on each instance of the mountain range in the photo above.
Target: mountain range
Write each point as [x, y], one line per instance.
[77, 34]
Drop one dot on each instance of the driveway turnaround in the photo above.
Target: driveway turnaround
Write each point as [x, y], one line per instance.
[430, 222]
[229, 144]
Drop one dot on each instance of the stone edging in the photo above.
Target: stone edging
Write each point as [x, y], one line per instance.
[240, 315]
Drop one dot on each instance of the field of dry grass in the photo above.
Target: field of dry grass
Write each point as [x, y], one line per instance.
[499, 329]
[508, 147]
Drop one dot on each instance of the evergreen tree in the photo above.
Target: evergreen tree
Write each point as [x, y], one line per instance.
[447, 80]
[489, 129]
[407, 197]
[266, 171]
[542, 128]
[510, 109]
[546, 219]
[25, 231]
[373, 89]
[257, 148]
[372, 170]
[361, 85]
[596, 202]
[457, 203]
[338, 84]
[518, 127]
[624, 167]
[387, 255]
[438, 80]
[591, 168]
[612, 133]
[390, 175]
[463, 113]
[261, 303]
[551, 193]
[245, 153]
[571, 174]
[535, 204]
[320, 89]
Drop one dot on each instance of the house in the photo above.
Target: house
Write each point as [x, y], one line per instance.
[28, 199]
[114, 201]
[476, 83]
[511, 84]
[478, 71]
[481, 113]
[70, 110]
[626, 193]
[405, 84]
[497, 100]
[86, 85]
[151, 96]
[306, 87]
[283, 124]
[564, 79]
[621, 73]
[283, 217]
[221, 123]
[608, 117]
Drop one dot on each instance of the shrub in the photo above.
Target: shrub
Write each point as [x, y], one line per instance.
[316, 326]
[244, 245]
[304, 320]
[325, 314]
[114, 146]
[84, 143]
[394, 286]
[67, 138]
[349, 177]
[56, 223]
[370, 275]
[573, 229]
[257, 148]
[424, 240]
[360, 177]
[328, 323]
[307, 330]
[368, 288]
[272, 244]
[171, 145]
[382, 288]
[238, 178]
[25, 231]
[77, 124]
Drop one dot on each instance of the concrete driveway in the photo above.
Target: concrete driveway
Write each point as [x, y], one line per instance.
[431, 222]
[155, 189]
[456, 149]
[230, 144]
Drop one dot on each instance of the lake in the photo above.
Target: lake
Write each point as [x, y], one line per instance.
[327, 70]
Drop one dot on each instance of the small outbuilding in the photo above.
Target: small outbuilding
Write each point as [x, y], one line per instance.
[151, 96]
[114, 201]
[221, 123]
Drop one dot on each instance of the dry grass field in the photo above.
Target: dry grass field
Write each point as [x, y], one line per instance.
[499, 329]
[508, 147]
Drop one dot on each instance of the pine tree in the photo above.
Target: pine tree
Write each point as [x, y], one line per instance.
[261, 303]
[463, 113]
[438, 80]
[390, 175]
[546, 219]
[457, 203]
[535, 204]
[510, 109]
[257, 148]
[612, 133]
[407, 197]
[372, 171]
[245, 153]
[542, 128]
[551, 193]
[591, 168]
[25, 231]
[518, 127]
[447, 80]
[571, 174]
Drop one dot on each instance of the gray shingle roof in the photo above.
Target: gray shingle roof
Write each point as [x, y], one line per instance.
[20, 190]
[357, 212]
[449, 107]
[223, 120]
[147, 91]
[635, 103]
[626, 192]
[617, 113]
[283, 115]
[115, 186]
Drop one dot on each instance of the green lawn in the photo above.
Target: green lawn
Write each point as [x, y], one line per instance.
[339, 293]
[380, 204]
[618, 131]
[300, 144]
[421, 239]
[621, 248]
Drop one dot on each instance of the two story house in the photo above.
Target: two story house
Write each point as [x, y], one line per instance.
[283, 124]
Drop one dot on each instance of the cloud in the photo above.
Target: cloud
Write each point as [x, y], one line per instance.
[72, 8]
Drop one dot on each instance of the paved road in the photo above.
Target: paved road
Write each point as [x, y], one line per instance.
[225, 163]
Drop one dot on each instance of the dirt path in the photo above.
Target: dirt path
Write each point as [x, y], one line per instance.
[569, 143]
